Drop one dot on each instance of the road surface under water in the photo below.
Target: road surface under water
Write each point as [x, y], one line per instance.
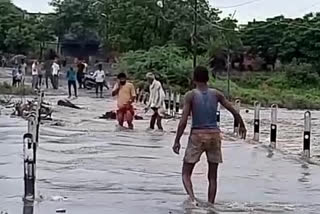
[86, 166]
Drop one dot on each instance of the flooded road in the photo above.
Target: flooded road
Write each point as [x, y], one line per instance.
[86, 166]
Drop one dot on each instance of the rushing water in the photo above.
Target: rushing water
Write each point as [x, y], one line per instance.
[86, 166]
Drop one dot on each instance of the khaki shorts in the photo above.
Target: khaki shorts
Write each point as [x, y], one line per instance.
[204, 142]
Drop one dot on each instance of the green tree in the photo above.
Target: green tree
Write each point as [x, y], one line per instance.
[19, 40]
[76, 19]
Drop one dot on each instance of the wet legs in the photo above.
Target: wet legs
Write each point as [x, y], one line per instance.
[186, 178]
[156, 118]
[99, 85]
[72, 83]
[128, 116]
[212, 177]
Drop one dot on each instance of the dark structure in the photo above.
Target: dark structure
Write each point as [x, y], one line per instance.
[80, 46]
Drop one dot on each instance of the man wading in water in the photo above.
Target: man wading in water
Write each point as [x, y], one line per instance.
[126, 96]
[205, 136]
[156, 102]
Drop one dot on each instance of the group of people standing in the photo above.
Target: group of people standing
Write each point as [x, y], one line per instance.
[39, 71]
[49, 71]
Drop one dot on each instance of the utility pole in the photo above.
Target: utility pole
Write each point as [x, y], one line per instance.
[194, 38]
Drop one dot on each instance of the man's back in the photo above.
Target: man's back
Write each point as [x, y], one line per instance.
[204, 109]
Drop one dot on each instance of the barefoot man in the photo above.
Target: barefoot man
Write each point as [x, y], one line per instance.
[126, 96]
[202, 103]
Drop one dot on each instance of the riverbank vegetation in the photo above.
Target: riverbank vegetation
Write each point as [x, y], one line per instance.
[158, 36]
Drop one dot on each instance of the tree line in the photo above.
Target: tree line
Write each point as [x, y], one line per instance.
[143, 24]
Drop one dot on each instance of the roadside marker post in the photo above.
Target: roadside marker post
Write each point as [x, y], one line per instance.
[218, 114]
[140, 98]
[274, 121]
[236, 123]
[178, 99]
[32, 125]
[307, 134]
[29, 152]
[256, 130]
[138, 94]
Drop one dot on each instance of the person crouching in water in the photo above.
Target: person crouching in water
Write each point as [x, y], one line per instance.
[156, 101]
[99, 76]
[126, 95]
[72, 81]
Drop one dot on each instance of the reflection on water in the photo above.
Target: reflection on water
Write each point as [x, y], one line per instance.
[86, 167]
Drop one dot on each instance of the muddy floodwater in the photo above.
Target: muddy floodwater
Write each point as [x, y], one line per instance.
[86, 166]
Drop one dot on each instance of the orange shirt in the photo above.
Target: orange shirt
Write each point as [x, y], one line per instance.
[126, 94]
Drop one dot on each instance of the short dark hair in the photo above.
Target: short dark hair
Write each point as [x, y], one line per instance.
[201, 74]
[100, 66]
[121, 75]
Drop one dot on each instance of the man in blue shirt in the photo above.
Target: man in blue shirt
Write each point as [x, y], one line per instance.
[72, 78]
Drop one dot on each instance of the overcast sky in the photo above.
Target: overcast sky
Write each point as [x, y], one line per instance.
[245, 10]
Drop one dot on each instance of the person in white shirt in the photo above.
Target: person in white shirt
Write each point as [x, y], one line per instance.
[55, 73]
[23, 70]
[156, 101]
[35, 73]
[99, 76]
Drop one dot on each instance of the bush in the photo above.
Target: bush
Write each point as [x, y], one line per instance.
[301, 75]
[168, 63]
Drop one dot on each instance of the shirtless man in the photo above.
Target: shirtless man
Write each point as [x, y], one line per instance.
[205, 134]
[126, 96]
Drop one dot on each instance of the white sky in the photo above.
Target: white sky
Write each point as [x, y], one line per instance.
[258, 9]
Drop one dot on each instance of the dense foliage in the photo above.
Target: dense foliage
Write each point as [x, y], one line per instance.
[169, 63]
[158, 35]
[286, 39]
[21, 32]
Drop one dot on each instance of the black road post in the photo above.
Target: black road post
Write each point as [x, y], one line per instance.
[236, 123]
[256, 130]
[138, 94]
[273, 132]
[218, 115]
[307, 134]
[28, 207]
[166, 100]
[29, 152]
[178, 98]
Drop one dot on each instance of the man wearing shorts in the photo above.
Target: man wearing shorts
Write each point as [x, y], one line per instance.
[156, 101]
[202, 104]
[126, 96]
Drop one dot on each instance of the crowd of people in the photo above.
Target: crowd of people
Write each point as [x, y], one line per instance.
[201, 103]
[46, 72]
